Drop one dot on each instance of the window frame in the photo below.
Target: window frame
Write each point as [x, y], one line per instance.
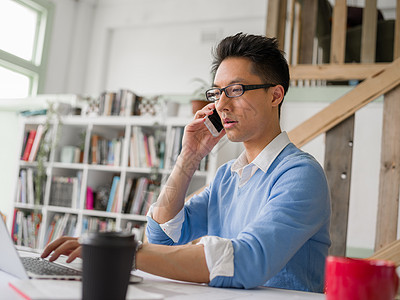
[35, 69]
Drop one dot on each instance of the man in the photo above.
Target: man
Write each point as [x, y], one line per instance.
[264, 219]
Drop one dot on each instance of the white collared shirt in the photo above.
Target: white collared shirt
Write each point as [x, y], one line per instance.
[264, 159]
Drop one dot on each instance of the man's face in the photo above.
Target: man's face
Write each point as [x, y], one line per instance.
[253, 117]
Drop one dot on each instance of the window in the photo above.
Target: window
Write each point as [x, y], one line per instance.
[24, 31]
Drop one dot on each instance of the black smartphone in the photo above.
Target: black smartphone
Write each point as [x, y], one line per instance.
[214, 124]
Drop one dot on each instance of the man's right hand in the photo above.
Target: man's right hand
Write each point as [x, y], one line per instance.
[198, 140]
[64, 245]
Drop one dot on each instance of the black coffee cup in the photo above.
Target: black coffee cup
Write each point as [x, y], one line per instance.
[107, 263]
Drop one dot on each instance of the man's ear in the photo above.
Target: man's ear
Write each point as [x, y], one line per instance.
[278, 93]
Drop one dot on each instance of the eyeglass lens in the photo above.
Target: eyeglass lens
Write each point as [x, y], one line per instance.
[235, 90]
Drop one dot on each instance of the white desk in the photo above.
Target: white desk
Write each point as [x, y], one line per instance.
[175, 290]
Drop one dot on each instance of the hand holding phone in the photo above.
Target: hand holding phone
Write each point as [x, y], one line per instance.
[214, 124]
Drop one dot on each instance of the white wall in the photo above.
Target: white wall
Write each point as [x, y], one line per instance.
[159, 46]
[69, 46]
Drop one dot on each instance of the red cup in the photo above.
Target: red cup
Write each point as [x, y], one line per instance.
[352, 279]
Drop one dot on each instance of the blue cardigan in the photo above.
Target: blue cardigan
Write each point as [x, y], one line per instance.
[278, 223]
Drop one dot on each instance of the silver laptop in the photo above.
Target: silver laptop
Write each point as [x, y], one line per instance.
[25, 265]
[29, 265]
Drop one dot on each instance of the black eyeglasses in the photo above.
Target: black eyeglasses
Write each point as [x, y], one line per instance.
[233, 90]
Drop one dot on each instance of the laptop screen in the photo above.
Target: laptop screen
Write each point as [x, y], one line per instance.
[9, 258]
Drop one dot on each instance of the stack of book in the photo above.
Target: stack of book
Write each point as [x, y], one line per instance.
[32, 141]
[65, 191]
[26, 187]
[139, 195]
[106, 152]
[121, 103]
[145, 151]
[60, 225]
[95, 224]
[25, 230]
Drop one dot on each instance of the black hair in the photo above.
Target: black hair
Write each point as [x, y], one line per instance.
[268, 60]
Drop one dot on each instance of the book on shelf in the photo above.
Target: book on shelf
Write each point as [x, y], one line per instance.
[23, 193]
[138, 198]
[28, 145]
[94, 149]
[144, 151]
[19, 188]
[113, 194]
[64, 191]
[127, 102]
[139, 194]
[153, 151]
[133, 227]
[174, 146]
[121, 103]
[129, 194]
[116, 105]
[134, 159]
[89, 198]
[25, 139]
[95, 224]
[117, 152]
[108, 99]
[30, 186]
[102, 151]
[79, 175]
[25, 228]
[26, 187]
[110, 152]
[127, 191]
[116, 201]
[106, 151]
[60, 224]
[161, 155]
[140, 148]
[36, 143]
[50, 229]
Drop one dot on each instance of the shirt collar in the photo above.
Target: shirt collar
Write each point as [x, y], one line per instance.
[265, 158]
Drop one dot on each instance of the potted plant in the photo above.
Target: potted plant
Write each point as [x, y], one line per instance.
[198, 97]
[45, 147]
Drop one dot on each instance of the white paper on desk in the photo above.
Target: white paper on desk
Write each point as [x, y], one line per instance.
[68, 290]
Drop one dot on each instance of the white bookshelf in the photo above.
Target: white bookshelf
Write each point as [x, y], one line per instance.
[77, 130]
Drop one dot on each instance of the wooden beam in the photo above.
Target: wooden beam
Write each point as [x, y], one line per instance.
[339, 24]
[282, 23]
[335, 71]
[276, 21]
[272, 18]
[389, 252]
[396, 50]
[296, 34]
[368, 90]
[389, 180]
[368, 36]
[308, 27]
[337, 166]
[291, 32]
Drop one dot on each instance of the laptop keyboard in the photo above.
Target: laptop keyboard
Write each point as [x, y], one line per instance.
[41, 266]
